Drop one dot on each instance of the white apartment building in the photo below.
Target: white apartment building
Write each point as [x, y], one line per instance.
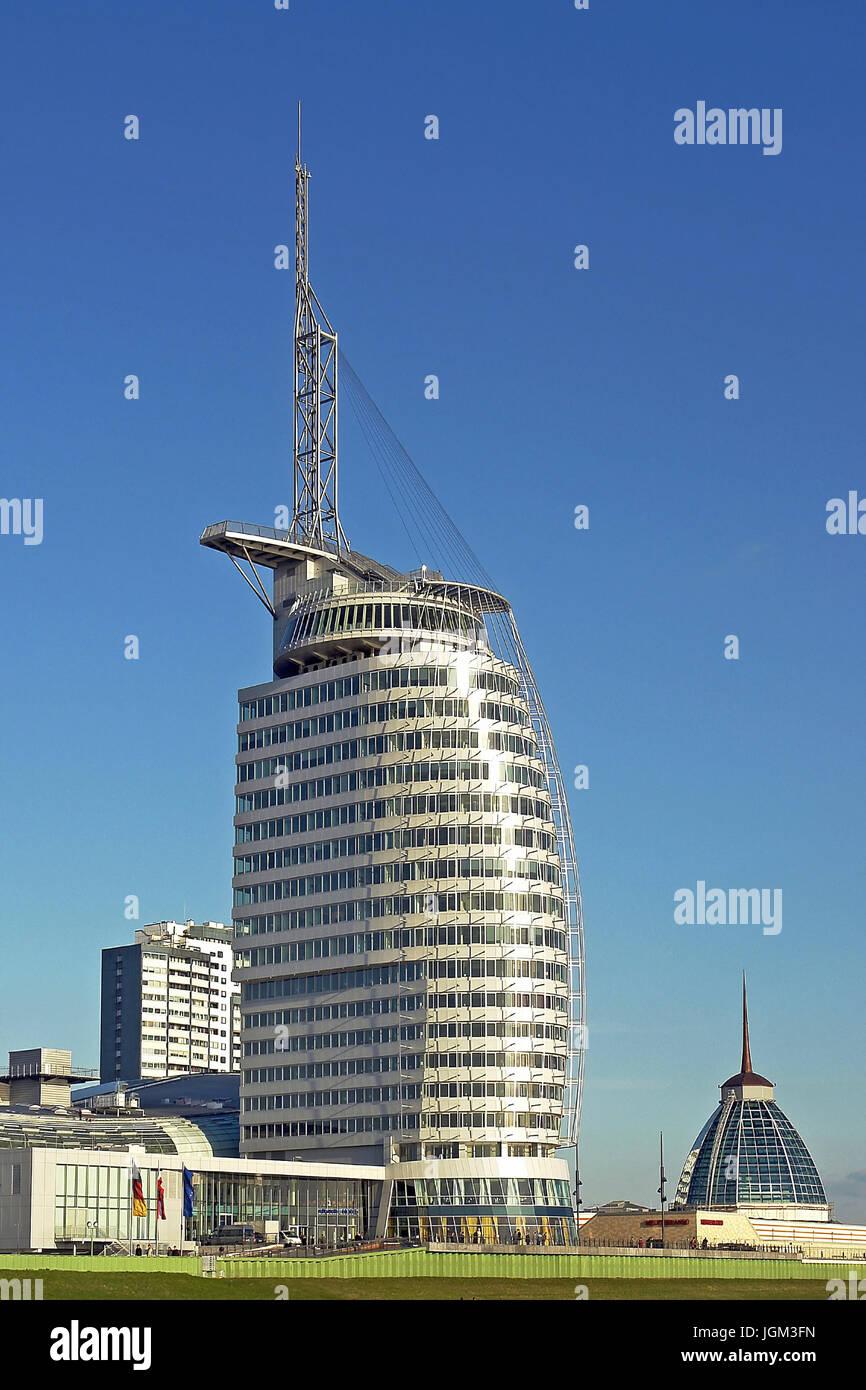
[169, 1005]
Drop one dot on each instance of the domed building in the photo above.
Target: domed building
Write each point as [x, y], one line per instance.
[749, 1155]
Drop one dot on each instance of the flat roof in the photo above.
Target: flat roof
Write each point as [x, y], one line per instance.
[254, 1167]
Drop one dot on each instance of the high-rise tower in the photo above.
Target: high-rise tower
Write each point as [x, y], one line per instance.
[406, 900]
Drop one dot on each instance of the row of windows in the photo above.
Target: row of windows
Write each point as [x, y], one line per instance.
[334, 980]
[426, 904]
[366, 1124]
[457, 969]
[497, 969]
[463, 1061]
[479, 934]
[391, 678]
[423, 804]
[383, 841]
[390, 775]
[511, 743]
[350, 617]
[542, 1192]
[497, 1119]
[317, 1013]
[374, 746]
[357, 715]
[317, 1042]
[486, 1028]
[531, 1090]
[407, 1032]
[503, 714]
[347, 1066]
[398, 871]
[354, 1124]
[313, 1100]
[498, 999]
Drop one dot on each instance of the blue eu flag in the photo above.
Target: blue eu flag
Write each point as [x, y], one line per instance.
[187, 1192]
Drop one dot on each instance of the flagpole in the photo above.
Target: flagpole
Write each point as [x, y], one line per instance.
[182, 1203]
[130, 1204]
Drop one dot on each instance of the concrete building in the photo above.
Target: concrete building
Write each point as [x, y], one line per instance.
[40, 1076]
[56, 1198]
[169, 1003]
[719, 1228]
[65, 1176]
[406, 901]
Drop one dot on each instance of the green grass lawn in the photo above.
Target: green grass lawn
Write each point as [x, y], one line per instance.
[61, 1285]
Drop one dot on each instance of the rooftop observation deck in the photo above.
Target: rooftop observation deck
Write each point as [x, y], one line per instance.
[264, 545]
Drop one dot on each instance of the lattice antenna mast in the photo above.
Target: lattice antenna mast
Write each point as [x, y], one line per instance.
[315, 521]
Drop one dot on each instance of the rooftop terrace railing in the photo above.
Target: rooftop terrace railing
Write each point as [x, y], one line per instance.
[49, 1069]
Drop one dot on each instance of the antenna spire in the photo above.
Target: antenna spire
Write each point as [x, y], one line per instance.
[746, 1064]
[315, 521]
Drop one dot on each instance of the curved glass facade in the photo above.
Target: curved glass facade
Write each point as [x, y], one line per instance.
[361, 615]
[749, 1153]
[483, 1210]
[25, 1129]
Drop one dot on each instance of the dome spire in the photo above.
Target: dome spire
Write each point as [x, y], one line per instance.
[746, 1076]
[746, 1064]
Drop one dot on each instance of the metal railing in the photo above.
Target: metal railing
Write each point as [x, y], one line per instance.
[48, 1069]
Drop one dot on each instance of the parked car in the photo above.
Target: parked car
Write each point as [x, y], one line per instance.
[290, 1238]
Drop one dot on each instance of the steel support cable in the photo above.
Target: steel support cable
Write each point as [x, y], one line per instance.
[420, 501]
[363, 426]
[364, 412]
[411, 510]
[413, 502]
[420, 494]
[436, 540]
[408, 510]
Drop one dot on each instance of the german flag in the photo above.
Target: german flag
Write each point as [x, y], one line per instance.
[139, 1205]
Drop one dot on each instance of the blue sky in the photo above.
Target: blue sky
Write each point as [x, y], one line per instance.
[558, 387]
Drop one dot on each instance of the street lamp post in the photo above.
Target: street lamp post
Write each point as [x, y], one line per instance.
[577, 1186]
[662, 1181]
